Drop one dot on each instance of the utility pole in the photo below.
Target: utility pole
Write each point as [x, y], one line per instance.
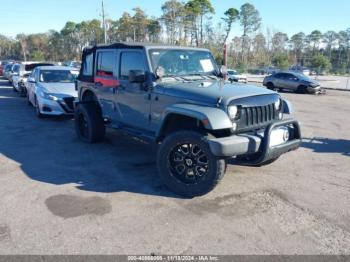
[104, 23]
[225, 55]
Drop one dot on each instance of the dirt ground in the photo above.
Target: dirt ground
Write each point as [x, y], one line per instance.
[60, 196]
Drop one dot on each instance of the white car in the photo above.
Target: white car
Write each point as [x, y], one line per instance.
[235, 76]
[51, 90]
[19, 78]
[14, 72]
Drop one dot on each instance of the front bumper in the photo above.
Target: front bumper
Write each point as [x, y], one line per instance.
[314, 90]
[248, 144]
[56, 108]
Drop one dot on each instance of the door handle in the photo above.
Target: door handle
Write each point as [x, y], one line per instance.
[98, 84]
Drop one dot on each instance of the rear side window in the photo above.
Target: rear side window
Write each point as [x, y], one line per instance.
[279, 75]
[16, 68]
[130, 61]
[88, 65]
[291, 77]
[106, 63]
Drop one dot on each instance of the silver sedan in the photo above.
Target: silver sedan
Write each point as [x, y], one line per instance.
[292, 81]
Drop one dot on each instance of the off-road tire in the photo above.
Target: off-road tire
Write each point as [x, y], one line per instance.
[90, 116]
[215, 171]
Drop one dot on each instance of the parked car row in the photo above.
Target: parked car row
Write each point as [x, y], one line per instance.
[3, 64]
[49, 88]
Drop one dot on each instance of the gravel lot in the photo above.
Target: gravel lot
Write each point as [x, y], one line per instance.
[60, 196]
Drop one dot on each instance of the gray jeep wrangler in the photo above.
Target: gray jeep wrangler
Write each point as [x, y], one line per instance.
[177, 97]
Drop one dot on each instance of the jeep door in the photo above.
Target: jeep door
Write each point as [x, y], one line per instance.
[133, 102]
[105, 79]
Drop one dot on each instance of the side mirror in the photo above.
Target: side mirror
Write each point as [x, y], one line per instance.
[223, 72]
[31, 80]
[137, 76]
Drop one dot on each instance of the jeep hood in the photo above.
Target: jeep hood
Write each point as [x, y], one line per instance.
[211, 91]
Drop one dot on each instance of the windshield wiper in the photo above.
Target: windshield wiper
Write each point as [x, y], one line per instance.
[212, 76]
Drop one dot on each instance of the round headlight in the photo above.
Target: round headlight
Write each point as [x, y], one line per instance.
[278, 104]
[233, 111]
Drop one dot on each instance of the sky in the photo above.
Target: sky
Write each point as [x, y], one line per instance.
[288, 16]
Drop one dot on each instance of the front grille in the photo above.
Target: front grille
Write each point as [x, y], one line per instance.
[67, 104]
[253, 118]
[69, 101]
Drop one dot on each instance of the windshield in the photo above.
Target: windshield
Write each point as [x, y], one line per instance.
[57, 76]
[183, 62]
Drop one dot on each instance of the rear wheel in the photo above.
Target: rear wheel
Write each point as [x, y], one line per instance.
[187, 166]
[23, 90]
[28, 100]
[89, 123]
[271, 86]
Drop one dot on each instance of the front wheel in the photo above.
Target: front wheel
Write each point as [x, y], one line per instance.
[301, 90]
[89, 124]
[37, 108]
[28, 100]
[187, 166]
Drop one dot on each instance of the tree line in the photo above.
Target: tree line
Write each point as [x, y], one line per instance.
[191, 24]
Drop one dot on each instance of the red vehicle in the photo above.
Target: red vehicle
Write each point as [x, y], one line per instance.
[2, 66]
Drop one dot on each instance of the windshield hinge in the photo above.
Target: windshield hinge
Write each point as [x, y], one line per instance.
[219, 102]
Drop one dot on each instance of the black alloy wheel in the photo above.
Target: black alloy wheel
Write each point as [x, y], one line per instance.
[188, 163]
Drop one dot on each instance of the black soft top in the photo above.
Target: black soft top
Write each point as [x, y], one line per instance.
[132, 45]
[114, 46]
